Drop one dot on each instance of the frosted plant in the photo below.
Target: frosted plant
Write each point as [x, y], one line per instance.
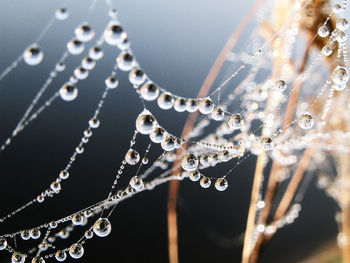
[292, 117]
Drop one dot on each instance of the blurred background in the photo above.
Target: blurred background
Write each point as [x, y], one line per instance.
[176, 43]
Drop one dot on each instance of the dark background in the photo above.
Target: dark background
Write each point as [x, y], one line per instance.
[176, 43]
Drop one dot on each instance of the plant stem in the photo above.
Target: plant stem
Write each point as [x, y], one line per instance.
[213, 73]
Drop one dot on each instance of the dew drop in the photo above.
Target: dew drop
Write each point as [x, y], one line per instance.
[68, 92]
[180, 104]
[102, 227]
[192, 105]
[75, 47]
[281, 85]
[88, 63]
[194, 175]
[95, 53]
[221, 184]
[206, 106]
[340, 75]
[165, 101]
[33, 55]
[114, 34]
[38, 260]
[235, 121]
[168, 144]
[125, 61]
[111, 82]
[62, 13]
[136, 183]
[306, 121]
[218, 114]
[137, 76]
[132, 157]
[60, 255]
[149, 91]
[326, 51]
[157, 135]
[18, 257]
[205, 182]
[145, 123]
[189, 162]
[3, 243]
[76, 251]
[84, 32]
[323, 31]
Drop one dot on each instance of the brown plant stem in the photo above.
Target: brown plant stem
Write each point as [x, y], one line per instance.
[273, 178]
[345, 206]
[213, 73]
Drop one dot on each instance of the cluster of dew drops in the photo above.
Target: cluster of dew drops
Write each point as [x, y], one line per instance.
[146, 123]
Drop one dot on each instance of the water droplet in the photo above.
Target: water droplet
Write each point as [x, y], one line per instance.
[144, 160]
[189, 162]
[33, 55]
[280, 85]
[76, 251]
[68, 92]
[75, 47]
[60, 255]
[218, 114]
[60, 66]
[136, 183]
[168, 144]
[88, 63]
[157, 135]
[25, 235]
[62, 13]
[145, 123]
[339, 87]
[180, 104]
[194, 175]
[102, 227]
[137, 76]
[149, 91]
[81, 73]
[326, 51]
[111, 82]
[132, 157]
[114, 34]
[340, 75]
[192, 105]
[77, 219]
[221, 184]
[267, 143]
[18, 257]
[112, 13]
[125, 61]
[84, 32]
[204, 160]
[3, 243]
[235, 121]
[337, 8]
[38, 260]
[88, 234]
[94, 123]
[64, 174]
[306, 121]
[95, 53]
[206, 106]
[341, 36]
[35, 233]
[342, 24]
[55, 186]
[205, 182]
[165, 101]
[323, 31]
